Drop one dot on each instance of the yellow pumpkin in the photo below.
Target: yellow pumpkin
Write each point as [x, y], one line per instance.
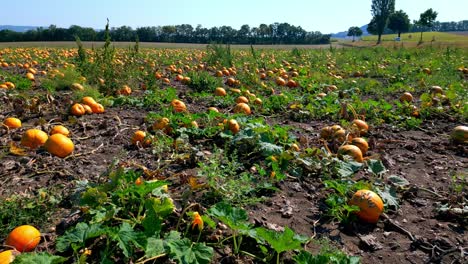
[60, 130]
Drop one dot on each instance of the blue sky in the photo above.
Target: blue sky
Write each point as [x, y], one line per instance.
[327, 16]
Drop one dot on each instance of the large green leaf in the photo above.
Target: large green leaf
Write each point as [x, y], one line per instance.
[389, 196]
[281, 242]
[376, 167]
[125, 237]
[154, 247]
[235, 218]
[77, 236]
[335, 257]
[187, 252]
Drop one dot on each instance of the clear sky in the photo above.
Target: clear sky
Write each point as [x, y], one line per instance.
[327, 16]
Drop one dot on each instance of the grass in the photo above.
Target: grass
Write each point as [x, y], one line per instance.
[427, 37]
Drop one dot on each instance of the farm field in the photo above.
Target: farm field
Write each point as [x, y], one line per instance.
[218, 154]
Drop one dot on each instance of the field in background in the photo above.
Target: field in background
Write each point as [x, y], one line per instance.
[427, 37]
[161, 45]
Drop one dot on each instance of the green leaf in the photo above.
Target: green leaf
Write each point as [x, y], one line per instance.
[77, 236]
[376, 167]
[126, 236]
[389, 196]
[186, 252]
[235, 218]
[348, 168]
[38, 258]
[162, 207]
[93, 197]
[281, 242]
[154, 247]
[269, 149]
[398, 181]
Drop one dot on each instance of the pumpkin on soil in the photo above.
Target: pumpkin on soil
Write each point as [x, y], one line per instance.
[352, 151]
[34, 138]
[220, 91]
[370, 204]
[88, 100]
[24, 238]
[406, 97]
[59, 145]
[460, 134]
[139, 137]
[361, 126]
[178, 106]
[77, 110]
[242, 108]
[97, 108]
[361, 144]
[12, 122]
[60, 130]
[233, 126]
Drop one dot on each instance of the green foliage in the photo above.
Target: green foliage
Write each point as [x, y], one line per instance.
[281, 241]
[187, 252]
[219, 55]
[38, 258]
[202, 81]
[18, 210]
[333, 257]
[62, 82]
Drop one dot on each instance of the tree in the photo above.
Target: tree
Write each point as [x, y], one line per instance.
[381, 10]
[355, 32]
[399, 22]
[426, 20]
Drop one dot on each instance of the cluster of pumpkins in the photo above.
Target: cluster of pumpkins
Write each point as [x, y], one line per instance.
[23, 238]
[58, 143]
[87, 106]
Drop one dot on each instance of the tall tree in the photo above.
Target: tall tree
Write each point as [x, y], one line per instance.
[426, 20]
[381, 10]
[399, 22]
[354, 32]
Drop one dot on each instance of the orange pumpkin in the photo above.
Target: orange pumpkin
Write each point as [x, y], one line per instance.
[220, 91]
[126, 90]
[30, 76]
[280, 81]
[12, 122]
[97, 108]
[88, 100]
[242, 99]
[242, 108]
[233, 126]
[139, 137]
[361, 144]
[87, 109]
[34, 138]
[178, 106]
[161, 123]
[24, 238]
[406, 97]
[352, 151]
[8, 256]
[77, 110]
[214, 109]
[60, 130]
[370, 204]
[59, 145]
[361, 126]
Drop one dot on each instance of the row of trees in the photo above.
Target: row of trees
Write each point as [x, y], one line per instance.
[384, 16]
[276, 33]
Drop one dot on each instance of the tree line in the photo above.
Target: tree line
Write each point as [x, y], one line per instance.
[276, 33]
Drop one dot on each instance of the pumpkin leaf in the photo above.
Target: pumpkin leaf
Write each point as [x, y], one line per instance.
[39, 258]
[389, 196]
[398, 181]
[235, 218]
[154, 247]
[187, 252]
[16, 150]
[376, 167]
[77, 236]
[126, 236]
[281, 242]
[346, 169]
[336, 257]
